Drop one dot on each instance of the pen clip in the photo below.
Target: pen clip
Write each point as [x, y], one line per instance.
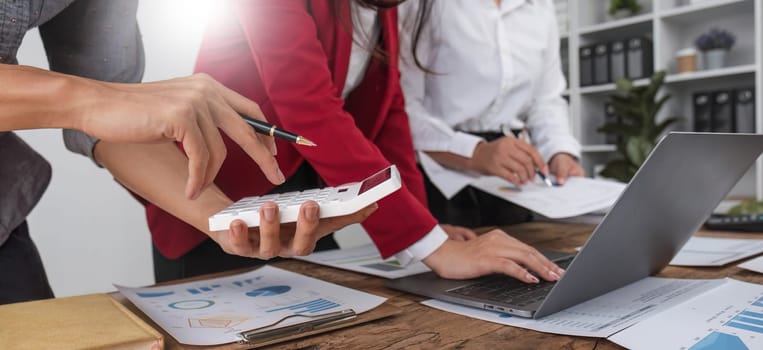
[315, 321]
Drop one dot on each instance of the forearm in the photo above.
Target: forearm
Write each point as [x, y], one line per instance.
[42, 99]
[158, 172]
[456, 161]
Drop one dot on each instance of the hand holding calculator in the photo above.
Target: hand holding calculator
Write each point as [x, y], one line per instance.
[333, 201]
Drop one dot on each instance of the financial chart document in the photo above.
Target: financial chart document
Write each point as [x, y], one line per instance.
[729, 317]
[601, 316]
[214, 311]
[578, 196]
[364, 259]
[711, 251]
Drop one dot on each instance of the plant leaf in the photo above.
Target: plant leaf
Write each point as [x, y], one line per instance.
[660, 128]
[637, 149]
[618, 169]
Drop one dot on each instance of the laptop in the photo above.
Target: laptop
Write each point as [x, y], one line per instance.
[666, 202]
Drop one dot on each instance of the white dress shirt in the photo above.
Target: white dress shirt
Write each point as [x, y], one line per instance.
[493, 67]
[365, 35]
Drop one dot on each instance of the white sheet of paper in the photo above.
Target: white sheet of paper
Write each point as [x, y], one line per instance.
[755, 265]
[449, 182]
[214, 311]
[601, 316]
[709, 251]
[729, 317]
[364, 259]
[579, 195]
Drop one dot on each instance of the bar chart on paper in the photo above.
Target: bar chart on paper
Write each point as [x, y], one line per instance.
[213, 311]
[729, 317]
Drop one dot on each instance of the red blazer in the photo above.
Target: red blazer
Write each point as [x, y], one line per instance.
[292, 57]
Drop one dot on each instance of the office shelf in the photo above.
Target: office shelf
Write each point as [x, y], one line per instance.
[617, 24]
[710, 74]
[608, 88]
[706, 10]
[598, 148]
[671, 25]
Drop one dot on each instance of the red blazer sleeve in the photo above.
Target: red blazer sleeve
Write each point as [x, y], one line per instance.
[294, 69]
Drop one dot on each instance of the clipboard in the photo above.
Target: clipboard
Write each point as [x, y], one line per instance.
[268, 335]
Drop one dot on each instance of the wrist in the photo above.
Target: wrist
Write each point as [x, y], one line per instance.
[80, 100]
[211, 203]
[471, 162]
[439, 256]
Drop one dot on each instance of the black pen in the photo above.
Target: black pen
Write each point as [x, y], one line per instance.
[266, 128]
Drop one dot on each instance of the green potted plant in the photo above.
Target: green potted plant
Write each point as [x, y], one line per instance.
[636, 127]
[623, 8]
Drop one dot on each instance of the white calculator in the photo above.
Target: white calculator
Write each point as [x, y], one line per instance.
[333, 201]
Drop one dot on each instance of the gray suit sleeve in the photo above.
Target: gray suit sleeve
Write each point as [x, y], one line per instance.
[96, 39]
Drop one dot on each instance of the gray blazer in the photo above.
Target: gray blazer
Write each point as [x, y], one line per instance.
[97, 39]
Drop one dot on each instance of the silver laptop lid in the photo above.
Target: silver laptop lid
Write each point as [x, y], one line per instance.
[674, 191]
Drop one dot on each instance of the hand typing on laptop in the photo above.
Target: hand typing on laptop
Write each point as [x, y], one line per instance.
[493, 252]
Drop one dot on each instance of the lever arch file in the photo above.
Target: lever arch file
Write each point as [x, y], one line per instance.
[601, 64]
[702, 113]
[640, 58]
[586, 66]
[744, 110]
[617, 60]
[722, 112]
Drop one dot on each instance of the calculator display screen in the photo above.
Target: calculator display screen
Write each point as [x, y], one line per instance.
[372, 181]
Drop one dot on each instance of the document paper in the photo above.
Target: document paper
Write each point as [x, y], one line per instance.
[707, 251]
[214, 311]
[729, 317]
[364, 259]
[601, 316]
[755, 265]
[578, 196]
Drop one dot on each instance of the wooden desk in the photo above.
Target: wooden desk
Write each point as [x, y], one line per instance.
[421, 327]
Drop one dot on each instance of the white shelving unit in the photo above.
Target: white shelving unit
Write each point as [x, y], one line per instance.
[671, 25]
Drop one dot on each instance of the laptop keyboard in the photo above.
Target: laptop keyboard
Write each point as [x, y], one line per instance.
[504, 289]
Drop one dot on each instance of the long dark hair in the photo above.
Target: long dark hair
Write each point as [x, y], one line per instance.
[422, 16]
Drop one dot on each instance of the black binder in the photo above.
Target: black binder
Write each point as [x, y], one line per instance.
[617, 60]
[586, 66]
[744, 110]
[640, 59]
[601, 64]
[722, 111]
[610, 117]
[702, 112]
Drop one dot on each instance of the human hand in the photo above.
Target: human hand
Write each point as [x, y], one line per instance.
[273, 239]
[188, 110]
[458, 233]
[493, 252]
[564, 165]
[510, 158]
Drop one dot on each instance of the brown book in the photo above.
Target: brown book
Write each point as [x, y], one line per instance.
[93, 321]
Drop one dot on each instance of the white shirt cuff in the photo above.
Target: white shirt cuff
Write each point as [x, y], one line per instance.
[464, 144]
[421, 249]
